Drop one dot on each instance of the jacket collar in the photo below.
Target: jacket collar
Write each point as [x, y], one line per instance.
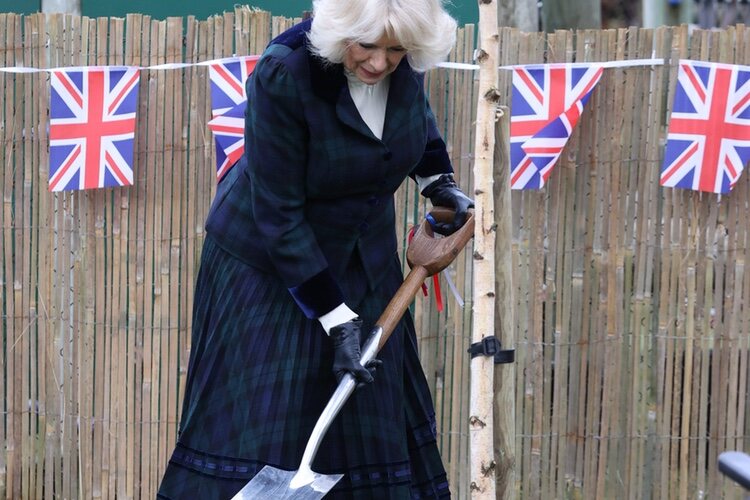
[329, 83]
[327, 80]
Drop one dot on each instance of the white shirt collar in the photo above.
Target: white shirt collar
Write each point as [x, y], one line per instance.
[370, 100]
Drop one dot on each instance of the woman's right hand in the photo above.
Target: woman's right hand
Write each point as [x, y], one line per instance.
[445, 193]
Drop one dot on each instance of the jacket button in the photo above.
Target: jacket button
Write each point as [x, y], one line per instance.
[387, 156]
[363, 227]
[372, 201]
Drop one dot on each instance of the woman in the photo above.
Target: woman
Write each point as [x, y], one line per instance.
[300, 259]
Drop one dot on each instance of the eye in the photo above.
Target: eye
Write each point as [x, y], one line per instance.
[397, 49]
[367, 46]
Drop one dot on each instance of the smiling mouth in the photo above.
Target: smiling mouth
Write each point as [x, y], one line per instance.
[370, 74]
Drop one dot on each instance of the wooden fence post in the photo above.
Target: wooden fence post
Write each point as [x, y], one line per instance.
[482, 474]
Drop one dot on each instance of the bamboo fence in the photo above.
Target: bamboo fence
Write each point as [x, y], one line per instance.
[632, 336]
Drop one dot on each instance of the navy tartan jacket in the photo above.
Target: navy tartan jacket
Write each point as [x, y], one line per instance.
[315, 187]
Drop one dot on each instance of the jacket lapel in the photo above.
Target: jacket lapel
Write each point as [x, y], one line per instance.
[329, 83]
[348, 113]
[402, 96]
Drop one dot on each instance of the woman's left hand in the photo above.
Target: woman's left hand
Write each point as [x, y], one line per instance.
[347, 338]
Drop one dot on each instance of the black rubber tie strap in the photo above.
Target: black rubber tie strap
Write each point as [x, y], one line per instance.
[490, 346]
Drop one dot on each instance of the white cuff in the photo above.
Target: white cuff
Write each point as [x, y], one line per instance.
[423, 182]
[337, 316]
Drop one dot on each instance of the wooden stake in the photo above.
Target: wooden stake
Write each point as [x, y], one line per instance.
[505, 407]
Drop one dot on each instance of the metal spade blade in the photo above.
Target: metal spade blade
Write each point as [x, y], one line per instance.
[275, 484]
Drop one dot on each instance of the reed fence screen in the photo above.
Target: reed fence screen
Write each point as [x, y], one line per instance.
[632, 335]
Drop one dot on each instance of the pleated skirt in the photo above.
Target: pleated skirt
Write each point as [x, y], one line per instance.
[259, 377]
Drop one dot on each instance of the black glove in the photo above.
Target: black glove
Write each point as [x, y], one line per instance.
[445, 193]
[346, 353]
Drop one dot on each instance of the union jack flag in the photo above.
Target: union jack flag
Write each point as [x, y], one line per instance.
[547, 101]
[228, 102]
[708, 140]
[92, 127]
[229, 132]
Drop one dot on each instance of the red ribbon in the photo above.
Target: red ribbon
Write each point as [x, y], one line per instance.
[435, 279]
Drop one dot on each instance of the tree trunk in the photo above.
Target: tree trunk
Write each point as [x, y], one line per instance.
[521, 14]
[62, 6]
[571, 14]
[482, 474]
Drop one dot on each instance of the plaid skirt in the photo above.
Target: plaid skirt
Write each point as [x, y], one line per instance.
[259, 377]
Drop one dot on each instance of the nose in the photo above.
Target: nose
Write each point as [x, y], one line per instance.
[378, 60]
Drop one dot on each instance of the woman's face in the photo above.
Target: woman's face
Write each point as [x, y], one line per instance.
[371, 62]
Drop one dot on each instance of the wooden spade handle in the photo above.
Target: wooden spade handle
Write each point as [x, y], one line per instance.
[435, 254]
[427, 255]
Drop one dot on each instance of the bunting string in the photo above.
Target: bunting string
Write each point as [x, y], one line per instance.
[605, 64]
[443, 65]
[156, 67]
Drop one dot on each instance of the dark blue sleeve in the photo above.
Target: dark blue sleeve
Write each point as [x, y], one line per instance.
[435, 159]
[276, 138]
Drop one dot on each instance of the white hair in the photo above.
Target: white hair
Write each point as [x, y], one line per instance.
[422, 27]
